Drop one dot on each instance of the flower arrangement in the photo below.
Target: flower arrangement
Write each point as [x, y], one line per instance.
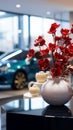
[61, 51]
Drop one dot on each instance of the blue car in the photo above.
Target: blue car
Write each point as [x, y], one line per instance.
[16, 69]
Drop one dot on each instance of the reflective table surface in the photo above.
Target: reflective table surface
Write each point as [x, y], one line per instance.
[37, 114]
[30, 105]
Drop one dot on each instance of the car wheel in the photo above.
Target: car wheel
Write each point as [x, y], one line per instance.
[19, 80]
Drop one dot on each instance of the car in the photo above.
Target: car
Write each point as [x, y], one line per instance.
[16, 69]
[1, 52]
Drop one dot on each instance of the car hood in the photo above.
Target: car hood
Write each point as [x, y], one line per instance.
[3, 63]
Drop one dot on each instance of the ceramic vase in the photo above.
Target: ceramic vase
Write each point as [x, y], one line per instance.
[56, 91]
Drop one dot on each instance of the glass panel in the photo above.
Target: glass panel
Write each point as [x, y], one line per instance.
[65, 24]
[46, 25]
[25, 32]
[15, 33]
[36, 28]
[8, 33]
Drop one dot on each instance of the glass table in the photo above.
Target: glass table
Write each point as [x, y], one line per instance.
[34, 113]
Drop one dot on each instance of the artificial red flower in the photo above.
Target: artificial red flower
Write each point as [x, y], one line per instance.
[72, 28]
[39, 41]
[31, 53]
[64, 32]
[52, 46]
[44, 52]
[60, 51]
[66, 40]
[57, 56]
[70, 48]
[58, 38]
[56, 72]
[53, 28]
[44, 64]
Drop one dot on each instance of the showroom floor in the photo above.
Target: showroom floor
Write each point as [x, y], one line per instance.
[6, 95]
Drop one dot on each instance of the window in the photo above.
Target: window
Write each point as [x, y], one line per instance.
[36, 28]
[25, 32]
[20, 30]
[8, 33]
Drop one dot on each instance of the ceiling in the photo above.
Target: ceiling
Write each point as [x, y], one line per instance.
[58, 8]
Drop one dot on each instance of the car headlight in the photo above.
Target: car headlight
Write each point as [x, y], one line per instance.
[4, 68]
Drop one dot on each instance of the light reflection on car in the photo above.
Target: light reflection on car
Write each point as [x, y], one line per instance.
[16, 70]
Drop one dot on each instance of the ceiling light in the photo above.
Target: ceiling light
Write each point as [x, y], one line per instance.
[48, 12]
[18, 6]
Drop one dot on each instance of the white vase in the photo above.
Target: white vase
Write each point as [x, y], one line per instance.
[56, 91]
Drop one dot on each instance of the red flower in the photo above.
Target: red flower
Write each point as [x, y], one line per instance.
[44, 52]
[58, 38]
[44, 64]
[31, 53]
[67, 40]
[39, 41]
[60, 51]
[58, 57]
[65, 31]
[71, 29]
[53, 28]
[56, 72]
[70, 48]
[52, 46]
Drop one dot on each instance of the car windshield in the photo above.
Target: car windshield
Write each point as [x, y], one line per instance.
[14, 55]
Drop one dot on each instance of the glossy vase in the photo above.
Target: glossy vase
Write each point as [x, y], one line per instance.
[56, 91]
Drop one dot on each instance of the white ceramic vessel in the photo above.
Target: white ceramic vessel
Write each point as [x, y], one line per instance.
[56, 91]
[34, 88]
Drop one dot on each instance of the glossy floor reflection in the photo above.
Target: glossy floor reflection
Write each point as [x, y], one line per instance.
[7, 95]
[27, 105]
[3, 120]
[35, 103]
